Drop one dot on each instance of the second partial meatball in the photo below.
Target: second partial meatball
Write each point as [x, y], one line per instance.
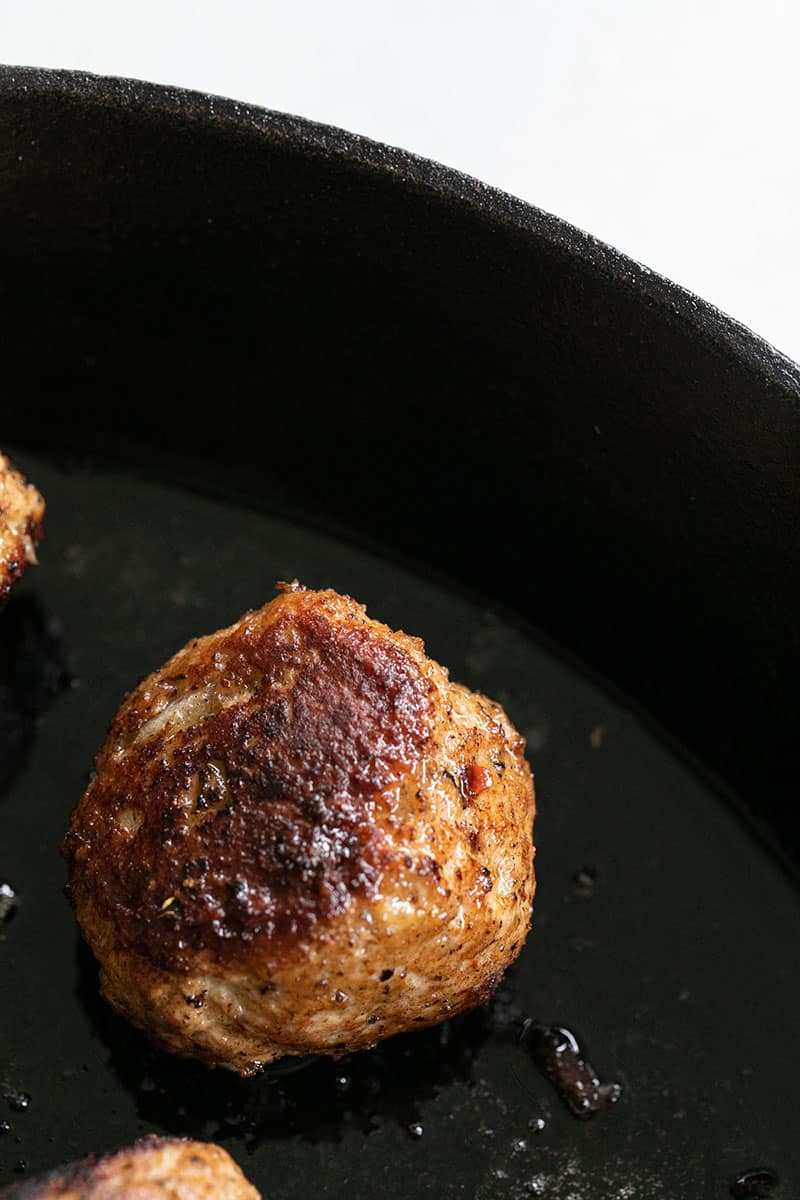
[302, 837]
[153, 1168]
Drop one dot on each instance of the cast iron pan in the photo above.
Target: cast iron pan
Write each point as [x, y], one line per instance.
[238, 347]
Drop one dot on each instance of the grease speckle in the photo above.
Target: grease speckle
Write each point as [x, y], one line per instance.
[558, 1055]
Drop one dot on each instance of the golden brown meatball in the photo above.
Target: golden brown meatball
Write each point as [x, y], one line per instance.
[21, 514]
[302, 838]
[153, 1168]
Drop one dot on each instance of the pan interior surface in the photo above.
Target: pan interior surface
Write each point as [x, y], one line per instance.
[458, 376]
[664, 934]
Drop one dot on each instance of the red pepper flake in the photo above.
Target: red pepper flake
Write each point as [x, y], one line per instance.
[478, 779]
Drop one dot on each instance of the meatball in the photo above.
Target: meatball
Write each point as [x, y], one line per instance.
[21, 513]
[153, 1168]
[302, 838]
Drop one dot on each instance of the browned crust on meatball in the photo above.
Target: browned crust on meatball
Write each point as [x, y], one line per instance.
[258, 830]
[302, 838]
[21, 515]
[151, 1169]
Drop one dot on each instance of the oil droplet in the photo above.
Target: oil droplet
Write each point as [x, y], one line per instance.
[755, 1184]
[5, 1127]
[559, 1057]
[20, 1166]
[343, 1083]
[8, 901]
[536, 1124]
[583, 881]
[17, 1101]
[415, 1129]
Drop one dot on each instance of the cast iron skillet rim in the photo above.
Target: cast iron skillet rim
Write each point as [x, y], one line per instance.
[424, 175]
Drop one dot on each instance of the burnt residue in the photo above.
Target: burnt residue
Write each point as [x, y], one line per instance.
[556, 1051]
[559, 1056]
[758, 1183]
[32, 672]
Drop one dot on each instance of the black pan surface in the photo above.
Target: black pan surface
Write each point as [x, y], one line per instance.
[664, 936]
[238, 347]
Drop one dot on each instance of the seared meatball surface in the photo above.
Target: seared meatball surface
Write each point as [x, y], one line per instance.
[21, 515]
[153, 1168]
[302, 838]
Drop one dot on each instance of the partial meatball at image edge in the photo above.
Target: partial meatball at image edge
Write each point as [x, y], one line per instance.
[21, 515]
[150, 1167]
[302, 838]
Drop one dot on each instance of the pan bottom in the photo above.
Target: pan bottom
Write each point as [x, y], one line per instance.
[664, 933]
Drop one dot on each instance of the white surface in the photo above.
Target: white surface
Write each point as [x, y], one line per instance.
[670, 130]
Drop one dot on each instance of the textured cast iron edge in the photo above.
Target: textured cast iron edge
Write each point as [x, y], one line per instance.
[421, 175]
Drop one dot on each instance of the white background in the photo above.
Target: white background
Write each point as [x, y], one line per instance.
[669, 128]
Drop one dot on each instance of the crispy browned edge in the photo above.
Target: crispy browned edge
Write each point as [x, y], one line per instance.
[17, 553]
[81, 1176]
